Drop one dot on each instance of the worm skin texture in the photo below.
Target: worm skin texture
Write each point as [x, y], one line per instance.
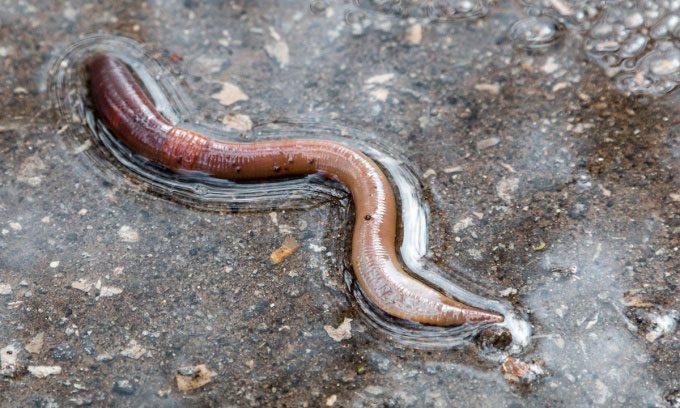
[131, 117]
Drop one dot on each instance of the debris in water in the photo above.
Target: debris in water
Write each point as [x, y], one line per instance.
[517, 371]
[128, 234]
[429, 173]
[342, 332]
[229, 94]
[493, 89]
[330, 401]
[238, 121]
[506, 189]
[665, 324]
[486, 143]
[539, 247]
[507, 292]
[380, 94]
[82, 284]
[279, 49]
[380, 79]
[133, 350]
[191, 378]
[453, 169]
[123, 387]
[35, 345]
[109, 291]
[289, 246]
[8, 360]
[44, 371]
[631, 299]
[414, 34]
[463, 224]
[31, 171]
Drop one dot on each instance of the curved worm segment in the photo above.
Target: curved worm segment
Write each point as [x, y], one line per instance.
[131, 117]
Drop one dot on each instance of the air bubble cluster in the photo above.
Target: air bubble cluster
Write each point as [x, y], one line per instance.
[534, 32]
[455, 9]
[635, 42]
[436, 9]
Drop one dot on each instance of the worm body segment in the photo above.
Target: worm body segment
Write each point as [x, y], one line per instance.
[130, 116]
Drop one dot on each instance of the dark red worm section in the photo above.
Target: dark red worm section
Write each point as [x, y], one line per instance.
[131, 117]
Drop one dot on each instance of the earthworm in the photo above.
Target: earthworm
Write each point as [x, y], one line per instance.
[130, 116]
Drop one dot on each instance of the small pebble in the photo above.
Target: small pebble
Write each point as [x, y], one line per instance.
[486, 143]
[63, 352]
[44, 371]
[123, 387]
[493, 89]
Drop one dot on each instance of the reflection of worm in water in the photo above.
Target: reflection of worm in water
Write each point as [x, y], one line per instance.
[130, 116]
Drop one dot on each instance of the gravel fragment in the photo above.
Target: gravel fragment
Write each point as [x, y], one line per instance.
[278, 51]
[493, 89]
[44, 371]
[36, 344]
[506, 189]
[123, 387]
[128, 234]
[380, 79]
[486, 143]
[134, 350]
[379, 361]
[331, 400]
[109, 291]
[8, 360]
[63, 352]
[342, 332]
[517, 371]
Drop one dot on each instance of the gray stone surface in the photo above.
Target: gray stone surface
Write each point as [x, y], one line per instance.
[571, 189]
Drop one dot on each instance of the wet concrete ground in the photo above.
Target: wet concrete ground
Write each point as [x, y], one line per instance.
[555, 190]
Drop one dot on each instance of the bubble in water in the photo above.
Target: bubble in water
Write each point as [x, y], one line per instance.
[438, 9]
[576, 14]
[201, 189]
[636, 41]
[457, 9]
[634, 45]
[318, 6]
[358, 21]
[534, 32]
[383, 6]
[657, 72]
[667, 26]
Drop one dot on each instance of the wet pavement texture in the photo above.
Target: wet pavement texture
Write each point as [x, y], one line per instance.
[553, 187]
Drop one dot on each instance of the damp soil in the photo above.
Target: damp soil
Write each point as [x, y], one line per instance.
[554, 189]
